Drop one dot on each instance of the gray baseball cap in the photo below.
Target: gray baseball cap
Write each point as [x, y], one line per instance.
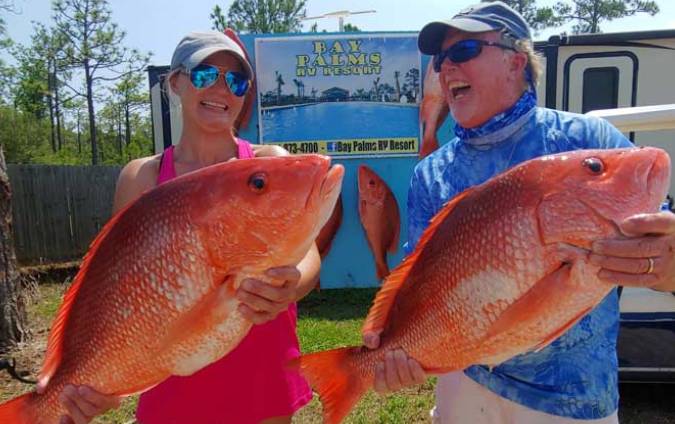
[482, 17]
[197, 46]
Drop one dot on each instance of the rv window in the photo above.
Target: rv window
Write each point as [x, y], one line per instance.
[601, 89]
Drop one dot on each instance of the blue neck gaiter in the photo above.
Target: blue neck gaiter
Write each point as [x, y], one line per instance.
[526, 102]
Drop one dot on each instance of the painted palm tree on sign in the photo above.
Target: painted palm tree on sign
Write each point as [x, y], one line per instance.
[300, 86]
[280, 82]
[398, 86]
[376, 87]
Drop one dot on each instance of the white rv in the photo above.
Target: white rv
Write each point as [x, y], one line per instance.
[628, 79]
[614, 70]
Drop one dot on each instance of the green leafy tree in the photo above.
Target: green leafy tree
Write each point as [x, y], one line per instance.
[350, 28]
[131, 97]
[539, 18]
[6, 72]
[588, 14]
[218, 19]
[77, 109]
[23, 137]
[40, 79]
[30, 90]
[262, 16]
[94, 46]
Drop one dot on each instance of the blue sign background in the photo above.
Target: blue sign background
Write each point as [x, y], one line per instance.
[350, 261]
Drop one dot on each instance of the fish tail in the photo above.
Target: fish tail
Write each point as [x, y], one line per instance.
[334, 375]
[429, 145]
[382, 268]
[17, 410]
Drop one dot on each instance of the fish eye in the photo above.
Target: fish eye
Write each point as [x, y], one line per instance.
[594, 165]
[258, 182]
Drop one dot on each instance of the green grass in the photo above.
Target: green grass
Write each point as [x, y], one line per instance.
[333, 318]
[327, 319]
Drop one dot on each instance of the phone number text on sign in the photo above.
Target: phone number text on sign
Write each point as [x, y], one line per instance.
[355, 147]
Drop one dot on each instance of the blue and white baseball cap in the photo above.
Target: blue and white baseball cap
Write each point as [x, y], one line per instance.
[197, 46]
[482, 17]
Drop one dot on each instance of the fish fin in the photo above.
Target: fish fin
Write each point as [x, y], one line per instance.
[395, 222]
[536, 303]
[324, 241]
[445, 211]
[18, 410]
[561, 330]
[382, 267]
[533, 303]
[54, 351]
[334, 376]
[429, 144]
[212, 308]
[384, 300]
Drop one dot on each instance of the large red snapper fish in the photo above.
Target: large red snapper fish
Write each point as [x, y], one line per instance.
[433, 111]
[155, 294]
[501, 270]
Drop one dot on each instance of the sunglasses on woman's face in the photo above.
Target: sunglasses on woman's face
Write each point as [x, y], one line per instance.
[204, 76]
[465, 50]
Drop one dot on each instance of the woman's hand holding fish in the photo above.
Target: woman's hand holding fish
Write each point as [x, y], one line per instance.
[261, 301]
[645, 259]
[84, 403]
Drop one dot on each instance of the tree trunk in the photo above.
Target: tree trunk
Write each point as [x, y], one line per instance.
[79, 133]
[51, 122]
[127, 125]
[119, 129]
[12, 305]
[59, 134]
[92, 117]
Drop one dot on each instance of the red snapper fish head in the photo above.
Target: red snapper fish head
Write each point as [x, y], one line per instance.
[590, 191]
[371, 187]
[265, 211]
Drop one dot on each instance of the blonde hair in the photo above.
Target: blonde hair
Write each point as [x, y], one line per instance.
[534, 59]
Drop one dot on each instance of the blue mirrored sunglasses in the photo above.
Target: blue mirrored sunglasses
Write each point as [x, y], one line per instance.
[204, 76]
[465, 50]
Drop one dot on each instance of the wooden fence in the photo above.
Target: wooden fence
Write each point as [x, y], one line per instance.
[58, 210]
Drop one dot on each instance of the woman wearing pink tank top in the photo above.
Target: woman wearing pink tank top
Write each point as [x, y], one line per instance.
[211, 75]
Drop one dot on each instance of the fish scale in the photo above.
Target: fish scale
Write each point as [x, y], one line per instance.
[155, 294]
[501, 270]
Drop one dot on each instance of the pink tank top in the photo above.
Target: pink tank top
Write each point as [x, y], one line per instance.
[249, 384]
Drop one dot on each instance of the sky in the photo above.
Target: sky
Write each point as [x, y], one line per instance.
[157, 26]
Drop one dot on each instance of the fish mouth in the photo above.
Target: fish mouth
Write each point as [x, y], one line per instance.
[332, 182]
[658, 175]
[329, 192]
[652, 173]
[326, 180]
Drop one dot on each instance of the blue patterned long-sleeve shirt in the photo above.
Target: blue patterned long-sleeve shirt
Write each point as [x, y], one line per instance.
[576, 375]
